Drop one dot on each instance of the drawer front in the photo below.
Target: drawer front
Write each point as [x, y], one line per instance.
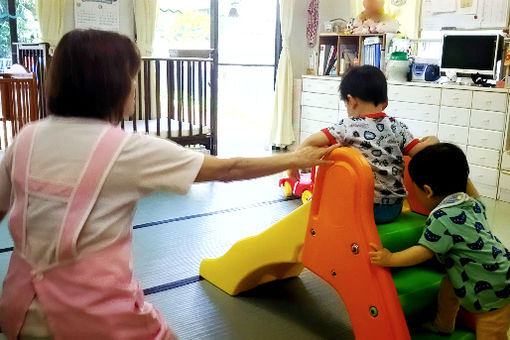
[420, 129]
[505, 161]
[488, 120]
[483, 157]
[453, 134]
[504, 180]
[324, 115]
[485, 138]
[343, 112]
[312, 126]
[414, 94]
[483, 175]
[456, 98]
[327, 101]
[489, 101]
[463, 147]
[454, 116]
[486, 190]
[504, 187]
[329, 86]
[425, 112]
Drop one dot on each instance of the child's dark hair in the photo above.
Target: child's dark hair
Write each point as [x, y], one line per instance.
[367, 83]
[91, 74]
[442, 166]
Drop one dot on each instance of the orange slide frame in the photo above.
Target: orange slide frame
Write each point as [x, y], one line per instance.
[330, 236]
[336, 249]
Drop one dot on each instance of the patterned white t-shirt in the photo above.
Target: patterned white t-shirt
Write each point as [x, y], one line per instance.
[383, 141]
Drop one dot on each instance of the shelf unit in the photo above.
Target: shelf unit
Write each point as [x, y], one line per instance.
[340, 39]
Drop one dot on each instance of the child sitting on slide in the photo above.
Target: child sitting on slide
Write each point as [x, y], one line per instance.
[457, 232]
[381, 139]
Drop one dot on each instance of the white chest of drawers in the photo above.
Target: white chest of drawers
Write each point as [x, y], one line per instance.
[475, 119]
[321, 106]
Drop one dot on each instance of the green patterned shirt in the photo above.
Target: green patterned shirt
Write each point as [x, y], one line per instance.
[476, 261]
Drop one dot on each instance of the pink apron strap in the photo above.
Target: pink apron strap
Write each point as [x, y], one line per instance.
[20, 170]
[86, 192]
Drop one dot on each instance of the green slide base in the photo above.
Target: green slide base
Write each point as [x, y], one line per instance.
[402, 233]
[417, 289]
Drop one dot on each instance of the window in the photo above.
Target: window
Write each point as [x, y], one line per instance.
[182, 25]
[18, 23]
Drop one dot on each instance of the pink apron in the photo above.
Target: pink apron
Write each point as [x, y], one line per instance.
[83, 296]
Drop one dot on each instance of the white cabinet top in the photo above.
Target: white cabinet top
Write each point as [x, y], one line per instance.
[425, 84]
[451, 86]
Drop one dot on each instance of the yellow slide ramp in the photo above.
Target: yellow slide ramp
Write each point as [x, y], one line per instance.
[274, 254]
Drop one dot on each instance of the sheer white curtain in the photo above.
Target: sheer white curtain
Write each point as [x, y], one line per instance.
[146, 16]
[51, 20]
[282, 132]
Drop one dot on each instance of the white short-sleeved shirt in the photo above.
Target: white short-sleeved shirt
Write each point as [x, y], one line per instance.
[383, 141]
[61, 149]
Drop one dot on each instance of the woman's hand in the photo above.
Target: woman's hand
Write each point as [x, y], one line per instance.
[310, 156]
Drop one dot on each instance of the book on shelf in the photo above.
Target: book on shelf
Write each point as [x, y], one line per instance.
[372, 51]
[331, 61]
[348, 54]
[327, 55]
[323, 50]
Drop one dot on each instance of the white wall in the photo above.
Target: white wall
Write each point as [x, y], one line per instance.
[126, 23]
[299, 50]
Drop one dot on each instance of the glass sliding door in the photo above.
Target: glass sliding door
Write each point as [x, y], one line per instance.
[246, 55]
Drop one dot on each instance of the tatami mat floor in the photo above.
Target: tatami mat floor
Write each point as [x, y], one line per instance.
[174, 233]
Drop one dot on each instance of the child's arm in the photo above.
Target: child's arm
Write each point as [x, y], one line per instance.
[318, 139]
[422, 144]
[409, 257]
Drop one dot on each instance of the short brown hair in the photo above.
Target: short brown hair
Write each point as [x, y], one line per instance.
[91, 74]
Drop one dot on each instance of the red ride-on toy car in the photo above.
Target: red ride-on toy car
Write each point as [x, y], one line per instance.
[302, 188]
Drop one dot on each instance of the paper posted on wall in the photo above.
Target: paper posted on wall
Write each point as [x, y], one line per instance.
[469, 7]
[443, 6]
[97, 14]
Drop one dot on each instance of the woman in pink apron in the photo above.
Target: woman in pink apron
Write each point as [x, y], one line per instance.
[71, 183]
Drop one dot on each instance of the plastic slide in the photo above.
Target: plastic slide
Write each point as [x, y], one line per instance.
[330, 236]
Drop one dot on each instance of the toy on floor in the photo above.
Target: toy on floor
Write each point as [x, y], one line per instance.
[330, 235]
[302, 188]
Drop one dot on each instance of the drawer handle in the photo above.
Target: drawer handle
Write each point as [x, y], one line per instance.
[488, 102]
[480, 176]
[482, 158]
[428, 96]
[484, 139]
[486, 121]
[455, 99]
[451, 135]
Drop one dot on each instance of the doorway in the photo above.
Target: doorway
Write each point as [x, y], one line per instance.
[246, 57]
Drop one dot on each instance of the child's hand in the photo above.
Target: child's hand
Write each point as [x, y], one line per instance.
[294, 174]
[381, 256]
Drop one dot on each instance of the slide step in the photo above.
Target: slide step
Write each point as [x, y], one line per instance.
[402, 233]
